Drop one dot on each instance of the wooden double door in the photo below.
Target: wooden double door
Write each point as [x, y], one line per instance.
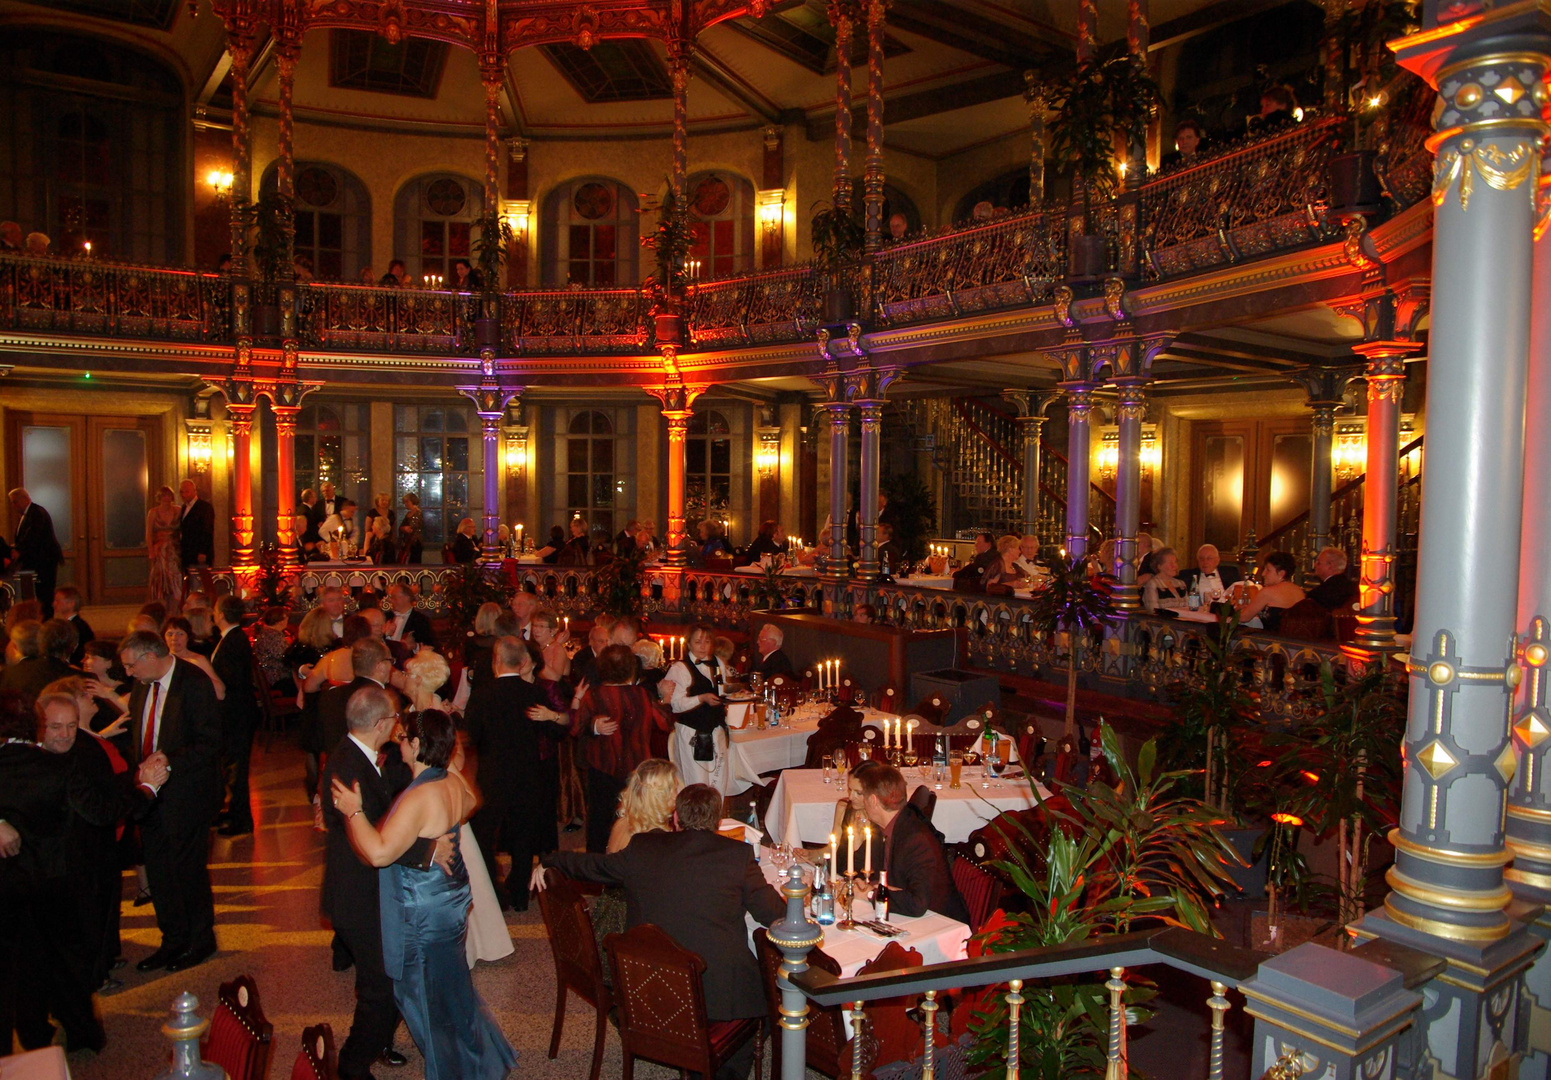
[1247, 475]
[93, 475]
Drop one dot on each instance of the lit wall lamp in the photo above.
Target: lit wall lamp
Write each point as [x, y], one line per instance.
[769, 455]
[517, 213]
[198, 445]
[220, 181]
[1109, 453]
[772, 208]
[516, 450]
[1349, 450]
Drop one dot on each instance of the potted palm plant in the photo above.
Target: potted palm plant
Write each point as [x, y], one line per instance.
[839, 237]
[491, 248]
[1106, 104]
[268, 225]
[670, 242]
[1371, 76]
[1071, 603]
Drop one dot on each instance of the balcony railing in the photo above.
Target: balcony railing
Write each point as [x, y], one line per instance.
[1248, 202]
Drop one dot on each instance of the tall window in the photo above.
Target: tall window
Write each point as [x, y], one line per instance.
[590, 234]
[333, 219]
[433, 223]
[590, 480]
[707, 466]
[721, 215]
[432, 449]
[333, 446]
[91, 141]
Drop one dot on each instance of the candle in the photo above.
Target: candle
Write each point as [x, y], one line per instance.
[832, 847]
[567, 622]
[867, 849]
[850, 850]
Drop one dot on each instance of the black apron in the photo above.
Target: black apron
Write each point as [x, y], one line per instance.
[703, 720]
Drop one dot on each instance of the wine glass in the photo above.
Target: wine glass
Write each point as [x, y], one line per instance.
[910, 755]
[839, 757]
[998, 765]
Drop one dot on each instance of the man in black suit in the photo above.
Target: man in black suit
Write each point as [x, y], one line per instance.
[655, 870]
[196, 531]
[770, 659]
[37, 548]
[67, 606]
[28, 677]
[174, 713]
[373, 666]
[233, 663]
[407, 625]
[366, 756]
[1335, 589]
[323, 507]
[913, 859]
[519, 796]
[1211, 577]
[971, 576]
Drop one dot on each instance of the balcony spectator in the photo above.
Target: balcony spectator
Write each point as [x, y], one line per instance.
[368, 276]
[1028, 557]
[1277, 111]
[899, 226]
[1166, 584]
[37, 243]
[550, 552]
[465, 278]
[11, 240]
[890, 552]
[411, 536]
[972, 576]
[1335, 588]
[1146, 565]
[1188, 139]
[394, 278]
[765, 543]
[341, 525]
[574, 551]
[1263, 610]
[301, 266]
[713, 545]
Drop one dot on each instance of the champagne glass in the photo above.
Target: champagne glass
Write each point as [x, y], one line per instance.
[840, 762]
[910, 755]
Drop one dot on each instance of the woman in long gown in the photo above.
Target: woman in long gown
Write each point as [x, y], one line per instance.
[425, 912]
[165, 584]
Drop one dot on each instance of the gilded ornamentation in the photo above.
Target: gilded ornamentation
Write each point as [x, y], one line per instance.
[1356, 241]
[1063, 305]
[1502, 170]
[1115, 298]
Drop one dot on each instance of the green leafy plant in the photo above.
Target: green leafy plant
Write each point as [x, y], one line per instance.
[1137, 853]
[1106, 105]
[271, 583]
[839, 235]
[618, 583]
[492, 246]
[268, 223]
[1072, 604]
[1213, 714]
[670, 242]
[475, 584]
[913, 511]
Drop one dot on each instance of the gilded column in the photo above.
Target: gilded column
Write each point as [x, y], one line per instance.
[872, 182]
[1447, 880]
[490, 399]
[1036, 97]
[490, 75]
[285, 484]
[1087, 29]
[240, 417]
[842, 16]
[839, 418]
[285, 168]
[678, 71]
[1386, 377]
[1128, 493]
[867, 387]
[1138, 37]
[1326, 386]
[1031, 423]
[1079, 407]
[239, 42]
[677, 407]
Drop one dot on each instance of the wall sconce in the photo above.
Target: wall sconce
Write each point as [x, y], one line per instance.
[1349, 450]
[516, 451]
[772, 208]
[769, 454]
[220, 181]
[517, 213]
[1109, 453]
[198, 445]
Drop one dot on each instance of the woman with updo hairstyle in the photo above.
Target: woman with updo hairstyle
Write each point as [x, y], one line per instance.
[425, 673]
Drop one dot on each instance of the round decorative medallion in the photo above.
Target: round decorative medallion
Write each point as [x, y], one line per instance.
[711, 197]
[445, 197]
[316, 187]
[593, 201]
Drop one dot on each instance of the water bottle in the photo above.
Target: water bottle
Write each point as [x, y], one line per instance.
[1193, 598]
[823, 899]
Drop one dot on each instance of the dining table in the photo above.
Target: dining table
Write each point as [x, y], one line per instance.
[756, 751]
[802, 808]
[755, 570]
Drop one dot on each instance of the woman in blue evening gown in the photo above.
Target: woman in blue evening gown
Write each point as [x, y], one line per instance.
[425, 912]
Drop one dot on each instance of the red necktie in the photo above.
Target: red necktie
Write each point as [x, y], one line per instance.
[382, 758]
[148, 740]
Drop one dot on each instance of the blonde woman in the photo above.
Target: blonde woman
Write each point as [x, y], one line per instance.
[646, 805]
[425, 673]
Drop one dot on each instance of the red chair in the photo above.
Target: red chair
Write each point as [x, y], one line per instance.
[662, 1006]
[827, 1040]
[892, 1035]
[317, 1059]
[979, 890]
[239, 1036]
[578, 966]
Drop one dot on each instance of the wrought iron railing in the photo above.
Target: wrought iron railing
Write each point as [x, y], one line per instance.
[91, 297]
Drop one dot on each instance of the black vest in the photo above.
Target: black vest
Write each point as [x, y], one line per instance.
[702, 718]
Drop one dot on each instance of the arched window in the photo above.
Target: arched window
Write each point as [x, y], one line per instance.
[590, 232]
[93, 136]
[589, 465]
[1009, 191]
[333, 445]
[707, 466]
[721, 213]
[433, 224]
[431, 451]
[333, 219]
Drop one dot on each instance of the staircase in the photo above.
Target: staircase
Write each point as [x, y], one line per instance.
[979, 449]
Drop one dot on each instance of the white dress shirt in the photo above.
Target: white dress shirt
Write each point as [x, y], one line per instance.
[371, 755]
[678, 675]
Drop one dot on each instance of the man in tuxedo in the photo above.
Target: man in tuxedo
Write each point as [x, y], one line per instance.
[367, 756]
[584, 665]
[406, 625]
[233, 663]
[332, 601]
[1027, 561]
[67, 606]
[372, 665]
[708, 918]
[891, 552]
[918, 876]
[770, 659]
[321, 508]
[972, 575]
[341, 524]
[36, 547]
[1211, 577]
[519, 796]
[175, 714]
[196, 532]
[1335, 588]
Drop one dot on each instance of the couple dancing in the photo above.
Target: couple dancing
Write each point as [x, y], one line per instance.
[423, 906]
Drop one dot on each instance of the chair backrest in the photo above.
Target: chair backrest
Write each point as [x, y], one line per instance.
[889, 700]
[317, 1059]
[924, 799]
[571, 938]
[1307, 620]
[826, 1025]
[978, 888]
[893, 1035]
[661, 1000]
[239, 1040]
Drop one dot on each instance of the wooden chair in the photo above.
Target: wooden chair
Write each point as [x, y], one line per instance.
[826, 1027]
[888, 700]
[978, 888]
[239, 1039]
[892, 1035]
[317, 1059]
[278, 708]
[662, 1006]
[578, 966]
[1307, 620]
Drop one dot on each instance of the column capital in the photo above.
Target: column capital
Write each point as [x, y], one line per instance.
[1133, 401]
[1030, 404]
[866, 384]
[286, 395]
[1325, 384]
[491, 398]
[677, 397]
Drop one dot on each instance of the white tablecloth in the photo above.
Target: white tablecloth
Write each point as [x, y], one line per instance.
[786, 747]
[803, 806]
[928, 581]
[46, 1064]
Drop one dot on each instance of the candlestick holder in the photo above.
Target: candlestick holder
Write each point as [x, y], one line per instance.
[845, 894]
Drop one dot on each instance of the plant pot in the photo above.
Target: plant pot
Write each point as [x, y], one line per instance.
[1251, 879]
[266, 320]
[669, 328]
[1354, 186]
[1291, 931]
[1089, 257]
[839, 307]
[487, 333]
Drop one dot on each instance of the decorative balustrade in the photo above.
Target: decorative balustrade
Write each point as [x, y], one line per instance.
[364, 318]
[92, 297]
